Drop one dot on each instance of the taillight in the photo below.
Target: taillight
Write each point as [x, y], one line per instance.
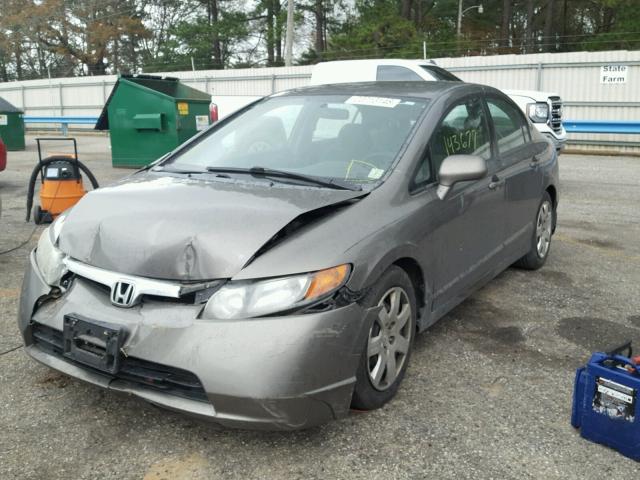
[3, 156]
[213, 112]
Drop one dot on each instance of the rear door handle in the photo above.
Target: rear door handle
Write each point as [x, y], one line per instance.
[495, 182]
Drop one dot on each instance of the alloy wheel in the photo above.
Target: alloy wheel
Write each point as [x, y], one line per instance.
[544, 225]
[389, 339]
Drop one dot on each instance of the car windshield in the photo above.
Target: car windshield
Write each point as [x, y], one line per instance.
[341, 137]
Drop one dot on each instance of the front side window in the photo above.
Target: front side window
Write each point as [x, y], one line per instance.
[394, 73]
[511, 129]
[464, 130]
[353, 138]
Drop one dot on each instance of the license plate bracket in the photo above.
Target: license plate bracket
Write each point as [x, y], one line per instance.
[93, 343]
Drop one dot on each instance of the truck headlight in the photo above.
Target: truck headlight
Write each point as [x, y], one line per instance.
[49, 258]
[538, 112]
[247, 299]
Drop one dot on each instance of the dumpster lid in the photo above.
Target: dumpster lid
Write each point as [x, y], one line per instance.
[167, 86]
[6, 107]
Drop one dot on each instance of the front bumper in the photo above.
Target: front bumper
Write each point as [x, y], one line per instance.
[558, 142]
[286, 372]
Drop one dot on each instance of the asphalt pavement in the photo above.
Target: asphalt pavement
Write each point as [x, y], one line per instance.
[487, 394]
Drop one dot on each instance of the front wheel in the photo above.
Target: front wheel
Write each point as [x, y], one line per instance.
[541, 239]
[388, 346]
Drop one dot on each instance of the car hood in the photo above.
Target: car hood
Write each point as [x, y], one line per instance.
[532, 94]
[182, 228]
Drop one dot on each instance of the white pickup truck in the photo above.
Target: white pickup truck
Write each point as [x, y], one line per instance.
[543, 109]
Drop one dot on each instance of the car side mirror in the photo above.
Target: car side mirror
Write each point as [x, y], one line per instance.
[459, 168]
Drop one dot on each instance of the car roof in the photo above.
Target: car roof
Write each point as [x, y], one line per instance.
[418, 89]
[377, 61]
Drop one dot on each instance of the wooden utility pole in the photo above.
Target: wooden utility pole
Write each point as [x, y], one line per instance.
[288, 55]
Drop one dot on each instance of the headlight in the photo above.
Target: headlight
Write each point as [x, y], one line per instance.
[249, 299]
[538, 112]
[49, 258]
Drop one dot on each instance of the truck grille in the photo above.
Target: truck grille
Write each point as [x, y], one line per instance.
[151, 375]
[556, 114]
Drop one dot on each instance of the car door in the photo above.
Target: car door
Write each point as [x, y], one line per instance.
[466, 228]
[519, 171]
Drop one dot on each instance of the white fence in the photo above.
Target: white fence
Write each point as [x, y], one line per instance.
[576, 77]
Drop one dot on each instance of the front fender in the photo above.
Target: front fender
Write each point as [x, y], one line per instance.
[33, 288]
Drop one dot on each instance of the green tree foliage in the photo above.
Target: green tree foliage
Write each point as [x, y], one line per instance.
[208, 35]
[39, 38]
[375, 30]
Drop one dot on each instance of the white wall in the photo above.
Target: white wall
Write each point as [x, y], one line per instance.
[574, 76]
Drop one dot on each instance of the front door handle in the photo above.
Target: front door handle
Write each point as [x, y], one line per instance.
[495, 182]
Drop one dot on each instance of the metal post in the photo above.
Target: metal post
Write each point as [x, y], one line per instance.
[461, 13]
[424, 50]
[539, 77]
[53, 109]
[60, 99]
[273, 83]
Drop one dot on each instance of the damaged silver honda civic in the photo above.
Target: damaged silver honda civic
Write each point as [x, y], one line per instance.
[274, 271]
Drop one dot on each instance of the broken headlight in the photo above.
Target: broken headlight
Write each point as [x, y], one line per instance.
[49, 258]
[247, 299]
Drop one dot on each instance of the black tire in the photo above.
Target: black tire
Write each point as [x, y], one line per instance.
[533, 260]
[366, 396]
[37, 215]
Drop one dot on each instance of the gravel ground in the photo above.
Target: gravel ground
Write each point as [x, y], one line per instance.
[487, 394]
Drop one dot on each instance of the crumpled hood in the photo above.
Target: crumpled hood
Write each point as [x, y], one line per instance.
[183, 229]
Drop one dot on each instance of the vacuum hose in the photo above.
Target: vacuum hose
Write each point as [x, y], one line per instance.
[40, 167]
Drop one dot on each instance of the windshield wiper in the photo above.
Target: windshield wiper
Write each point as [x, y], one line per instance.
[270, 172]
[162, 168]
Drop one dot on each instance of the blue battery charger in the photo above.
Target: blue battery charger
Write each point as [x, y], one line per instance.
[605, 401]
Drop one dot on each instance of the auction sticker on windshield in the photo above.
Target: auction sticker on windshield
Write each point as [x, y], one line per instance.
[374, 101]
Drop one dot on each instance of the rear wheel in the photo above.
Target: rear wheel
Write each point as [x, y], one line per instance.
[388, 346]
[37, 215]
[541, 239]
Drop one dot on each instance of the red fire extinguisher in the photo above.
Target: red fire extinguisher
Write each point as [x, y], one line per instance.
[213, 112]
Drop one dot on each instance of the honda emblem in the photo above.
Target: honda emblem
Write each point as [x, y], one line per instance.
[123, 294]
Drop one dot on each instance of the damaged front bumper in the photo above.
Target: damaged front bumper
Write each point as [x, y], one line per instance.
[285, 372]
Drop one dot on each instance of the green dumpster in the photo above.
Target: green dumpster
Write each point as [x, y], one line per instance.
[148, 116]
[11, 126]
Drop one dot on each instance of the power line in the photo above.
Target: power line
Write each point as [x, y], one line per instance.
[558, 39]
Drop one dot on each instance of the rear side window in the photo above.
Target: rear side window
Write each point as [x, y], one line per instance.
[394, 73]
[332, 117]
[464, 130]
[440, 73]
[511, 129]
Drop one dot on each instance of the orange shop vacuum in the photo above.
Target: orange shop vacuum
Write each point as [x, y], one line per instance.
[61, 182]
